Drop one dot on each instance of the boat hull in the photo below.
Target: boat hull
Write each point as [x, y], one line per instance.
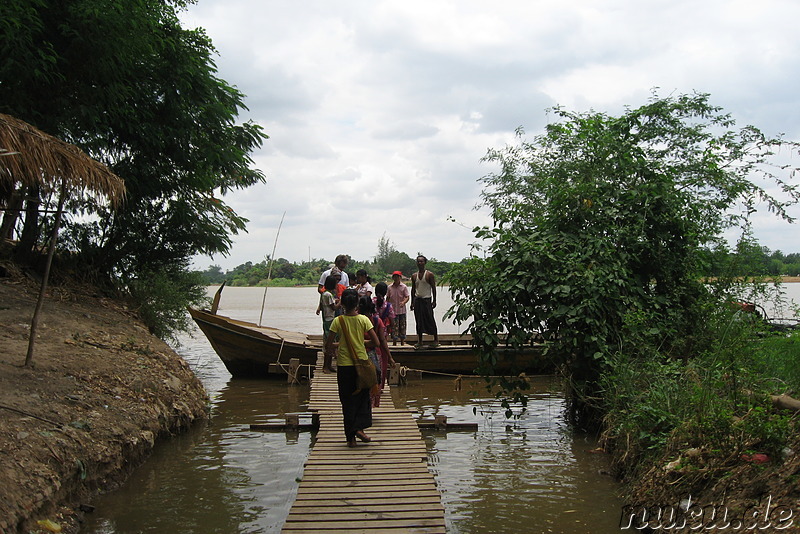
[248, 350]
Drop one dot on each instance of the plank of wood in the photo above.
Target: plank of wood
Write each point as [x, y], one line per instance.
[363, 487]
[372, 499]
[358, 525]
[323, 515]
[342, 478]
[384, 485]
[360, 506]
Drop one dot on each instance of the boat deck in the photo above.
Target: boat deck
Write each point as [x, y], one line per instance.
[381, 486]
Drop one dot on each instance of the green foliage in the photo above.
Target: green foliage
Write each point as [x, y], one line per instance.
[288, 274]
[138, 92]
[600, 217]
[749, 259]
[657, 407]
[212, 275]
[162, 297]
[778, 358]
[389, 259]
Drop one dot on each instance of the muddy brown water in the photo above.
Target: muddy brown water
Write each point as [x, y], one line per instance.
[527, 474]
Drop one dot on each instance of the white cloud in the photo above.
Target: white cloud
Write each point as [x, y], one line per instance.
[379, 112]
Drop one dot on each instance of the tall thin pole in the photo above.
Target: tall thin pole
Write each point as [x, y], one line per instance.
[43, 288]
[269, 273]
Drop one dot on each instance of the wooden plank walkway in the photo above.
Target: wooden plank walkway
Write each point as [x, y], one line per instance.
[380, 486]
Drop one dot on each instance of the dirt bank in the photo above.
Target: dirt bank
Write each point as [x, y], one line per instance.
[102, 393]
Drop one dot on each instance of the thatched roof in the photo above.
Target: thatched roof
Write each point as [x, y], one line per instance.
[30, 156]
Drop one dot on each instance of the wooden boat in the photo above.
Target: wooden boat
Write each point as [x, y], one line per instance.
[252, 351]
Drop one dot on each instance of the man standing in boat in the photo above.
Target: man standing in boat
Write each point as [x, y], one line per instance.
[423, 301]
[340, 263]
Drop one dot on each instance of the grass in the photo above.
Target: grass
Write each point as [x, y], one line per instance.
[719, 400]
[777, 359]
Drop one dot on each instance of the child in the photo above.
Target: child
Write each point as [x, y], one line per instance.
[363, 286]
[379, 353]
[398, 295]
[384, 308]
[336, 274]
[327, 305]
[351, 328]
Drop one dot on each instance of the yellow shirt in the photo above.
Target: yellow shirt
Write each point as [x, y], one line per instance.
[356, 326]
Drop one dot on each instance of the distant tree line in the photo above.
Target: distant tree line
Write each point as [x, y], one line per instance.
[748, 259]
[287, 274]
[751, 259]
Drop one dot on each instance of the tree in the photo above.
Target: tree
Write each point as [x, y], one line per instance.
[136, 91]
[389, 259]
[213, 275]
[598, 232]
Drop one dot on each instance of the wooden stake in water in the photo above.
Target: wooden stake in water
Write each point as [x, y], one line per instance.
[269, 273]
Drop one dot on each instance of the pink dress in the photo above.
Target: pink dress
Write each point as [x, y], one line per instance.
[383, 359]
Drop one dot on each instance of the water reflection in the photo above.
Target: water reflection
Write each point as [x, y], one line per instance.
[221, 478]
[529, 474]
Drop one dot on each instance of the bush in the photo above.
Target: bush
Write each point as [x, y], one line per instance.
[162, 298]
[657, 406]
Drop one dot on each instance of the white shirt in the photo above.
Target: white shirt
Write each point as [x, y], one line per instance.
[345, 281]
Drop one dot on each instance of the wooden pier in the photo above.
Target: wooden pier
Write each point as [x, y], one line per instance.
[381, 486]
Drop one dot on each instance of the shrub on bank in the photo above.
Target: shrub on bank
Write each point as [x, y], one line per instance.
[702, 416]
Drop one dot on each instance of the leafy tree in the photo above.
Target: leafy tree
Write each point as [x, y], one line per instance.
[283, 269]
[135, 90]
[389, 259]
[213, 275]
[597, 235]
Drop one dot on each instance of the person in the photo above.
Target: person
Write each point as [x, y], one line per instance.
[351, 327]
[339, 263]
[384, 308]
[397, 294]
[328, 303]
[363, 286]
[340, 287]
[423, 301]
[379, 354]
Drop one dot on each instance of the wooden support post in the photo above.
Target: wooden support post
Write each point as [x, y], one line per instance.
[315, 419]
[294, 366]
[292, 421]
[394, 375]
[440, 421]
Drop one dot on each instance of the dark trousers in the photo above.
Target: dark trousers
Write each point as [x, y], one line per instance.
[356, 409]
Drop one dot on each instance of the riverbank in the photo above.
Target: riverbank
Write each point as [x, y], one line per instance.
[102, 392]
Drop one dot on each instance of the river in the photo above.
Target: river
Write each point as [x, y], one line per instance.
[529, 474]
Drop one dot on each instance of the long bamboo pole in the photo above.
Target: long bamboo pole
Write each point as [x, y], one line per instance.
[269, 273]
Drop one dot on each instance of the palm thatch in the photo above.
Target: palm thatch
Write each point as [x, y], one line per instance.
[30, 157]
[33, 157]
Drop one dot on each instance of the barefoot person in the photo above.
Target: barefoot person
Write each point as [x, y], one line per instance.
[351, 328]
[398, 295]
[423, 301]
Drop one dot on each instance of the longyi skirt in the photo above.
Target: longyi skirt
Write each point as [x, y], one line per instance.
[356, 409]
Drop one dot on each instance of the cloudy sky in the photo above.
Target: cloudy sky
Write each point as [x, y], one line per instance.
[379, 111]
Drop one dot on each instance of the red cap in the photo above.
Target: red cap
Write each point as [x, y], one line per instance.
[397, 273]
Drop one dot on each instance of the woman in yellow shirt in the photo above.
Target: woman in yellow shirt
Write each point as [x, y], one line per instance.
[351, 328]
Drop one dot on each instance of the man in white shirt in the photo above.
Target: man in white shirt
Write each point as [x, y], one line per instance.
[341, 262]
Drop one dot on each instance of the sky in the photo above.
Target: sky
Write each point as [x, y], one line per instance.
[379, 112]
